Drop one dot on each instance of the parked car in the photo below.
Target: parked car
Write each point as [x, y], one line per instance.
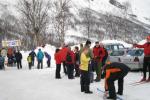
[132, 58]
[114, 47]
[116, 56]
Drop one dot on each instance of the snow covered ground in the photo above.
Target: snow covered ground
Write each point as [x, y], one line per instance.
[41, 85]
[37, 84]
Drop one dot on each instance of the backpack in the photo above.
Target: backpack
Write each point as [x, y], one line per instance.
[68, 57]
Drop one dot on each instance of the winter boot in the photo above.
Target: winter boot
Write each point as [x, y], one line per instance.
[112, 98]
[87, 90]
[119, 93]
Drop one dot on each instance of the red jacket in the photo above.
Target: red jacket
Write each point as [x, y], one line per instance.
[146, 47]
[96, 52]
[58, 57]
[63, 53]
[72, 56]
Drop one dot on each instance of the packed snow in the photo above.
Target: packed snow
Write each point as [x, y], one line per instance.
[41, 84]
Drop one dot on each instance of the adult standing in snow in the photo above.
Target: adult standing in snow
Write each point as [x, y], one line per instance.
[4, 54]
[2, 60]
[33, 55]
[48, 59]
[115, 71]
[146, 64]
[96, 61]
[85, 75]
[40, 56]
[58, 63]
[18, 57]
[77, 62]
[64, 51]
[70, 63]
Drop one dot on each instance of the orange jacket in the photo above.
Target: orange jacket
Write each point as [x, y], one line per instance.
[108, 73]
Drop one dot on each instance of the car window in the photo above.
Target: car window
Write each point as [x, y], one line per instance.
[121, 47]
[135, 52]
[115, 47]
[117, 53]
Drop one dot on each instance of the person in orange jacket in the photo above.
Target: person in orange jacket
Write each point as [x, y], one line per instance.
[146, 64]
[115, 71]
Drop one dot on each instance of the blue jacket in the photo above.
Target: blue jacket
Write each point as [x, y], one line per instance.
[40, 55]
[47, 56]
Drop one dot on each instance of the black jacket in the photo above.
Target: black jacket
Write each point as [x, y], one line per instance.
[18, 56]
[123, 67]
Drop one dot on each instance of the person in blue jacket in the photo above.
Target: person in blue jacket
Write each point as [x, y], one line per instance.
[48, 59]
[40, 56]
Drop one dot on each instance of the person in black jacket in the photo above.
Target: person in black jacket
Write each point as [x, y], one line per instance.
[18, 56]
[115, 71]
[33, 55]
[77, 62]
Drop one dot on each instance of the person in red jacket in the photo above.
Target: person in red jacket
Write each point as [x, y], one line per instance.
[146, 64]
[57, 56]
[96, 61]
[63, 52]
[70, 61]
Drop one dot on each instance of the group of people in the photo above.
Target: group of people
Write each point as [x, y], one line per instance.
[87, 60]
[13, 58]
[84, 61]
[39, 56]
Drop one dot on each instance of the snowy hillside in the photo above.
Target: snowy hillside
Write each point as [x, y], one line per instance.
[107, 20]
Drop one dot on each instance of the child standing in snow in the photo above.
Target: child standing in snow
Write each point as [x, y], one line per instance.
[85, 75]
[29, 59]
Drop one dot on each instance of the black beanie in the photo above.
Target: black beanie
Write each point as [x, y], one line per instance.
[88, 42]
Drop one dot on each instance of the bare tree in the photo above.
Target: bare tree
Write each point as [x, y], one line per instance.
[35, 18]
[61, 18]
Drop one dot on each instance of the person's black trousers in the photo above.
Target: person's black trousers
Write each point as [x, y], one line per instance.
[84, 80]
[70, 70]
[77, 74]
[64, 67]
[32, 62]
[146, 65]
[58, 68]
[30, 65]
[1, 66]
[40, 62]
[111, 87]
[48, 63]
[19, 65]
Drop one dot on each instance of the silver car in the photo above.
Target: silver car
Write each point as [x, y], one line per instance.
[132, 58]
[116, 56]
